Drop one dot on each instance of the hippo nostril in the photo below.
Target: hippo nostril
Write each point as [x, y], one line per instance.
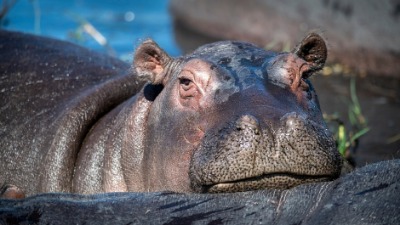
[293, 120]
[248, 121]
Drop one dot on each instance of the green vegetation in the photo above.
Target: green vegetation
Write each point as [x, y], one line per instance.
[347, 139]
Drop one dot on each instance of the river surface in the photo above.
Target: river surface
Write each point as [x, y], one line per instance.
[122, 23]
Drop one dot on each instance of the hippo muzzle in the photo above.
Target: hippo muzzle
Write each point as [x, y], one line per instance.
[245, 155]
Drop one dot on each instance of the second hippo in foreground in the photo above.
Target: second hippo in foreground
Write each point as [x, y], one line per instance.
[228, 117]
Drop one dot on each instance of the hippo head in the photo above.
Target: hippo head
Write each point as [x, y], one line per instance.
[234, 117]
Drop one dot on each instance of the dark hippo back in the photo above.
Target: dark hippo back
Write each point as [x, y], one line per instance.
[367, 196]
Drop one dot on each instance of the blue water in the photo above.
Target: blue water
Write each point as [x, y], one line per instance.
[123, 23]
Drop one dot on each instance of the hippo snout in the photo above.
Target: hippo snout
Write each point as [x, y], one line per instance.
[253, 154]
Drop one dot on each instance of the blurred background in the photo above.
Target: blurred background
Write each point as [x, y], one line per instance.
[359, 89]
[111, 26]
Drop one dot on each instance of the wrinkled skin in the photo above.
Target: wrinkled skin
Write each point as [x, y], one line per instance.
[228, 117]
[369, 195]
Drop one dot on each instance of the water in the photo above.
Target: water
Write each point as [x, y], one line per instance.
[123, 23]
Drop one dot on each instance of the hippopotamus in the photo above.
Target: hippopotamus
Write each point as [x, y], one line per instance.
[228, 117]
[368, 195]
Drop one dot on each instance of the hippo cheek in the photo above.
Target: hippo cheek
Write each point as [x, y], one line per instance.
[169, 148]
[253, 156]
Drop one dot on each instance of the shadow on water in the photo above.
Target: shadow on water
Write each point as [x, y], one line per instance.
[123, 23]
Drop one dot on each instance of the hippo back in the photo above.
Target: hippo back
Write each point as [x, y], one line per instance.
[51, 92]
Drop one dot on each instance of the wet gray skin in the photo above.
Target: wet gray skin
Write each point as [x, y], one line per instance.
[237, 118]
[228, 117]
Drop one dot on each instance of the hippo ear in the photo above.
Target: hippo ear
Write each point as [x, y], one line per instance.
[150, 61]
[313, 50]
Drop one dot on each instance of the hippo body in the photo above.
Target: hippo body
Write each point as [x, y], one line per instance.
[52, 92]
[369, 195]
[228, 117]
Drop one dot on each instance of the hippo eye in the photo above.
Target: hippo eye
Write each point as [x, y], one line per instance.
[185, 83]
[187, 88]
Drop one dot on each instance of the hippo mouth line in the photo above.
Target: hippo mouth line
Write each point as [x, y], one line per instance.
[274, 180]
